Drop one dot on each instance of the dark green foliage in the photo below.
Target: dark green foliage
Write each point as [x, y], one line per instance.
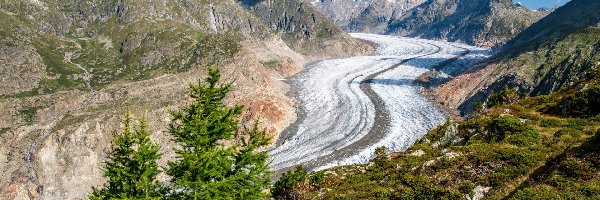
[285, 187]
[467, 188]
[577, 123]
[536, 193]
[206, 167]
[550, 123]
[524, 138]
[28, 114]
[517, 157]
[568, 131]
[504, 174]
[438, 132]
[574, 168]
[581, 104]
[478, 107]
[421, 188]
[316, 178]
[504, 96]
[380, 159]
[131, 168]
[508, 124]
[496, 129]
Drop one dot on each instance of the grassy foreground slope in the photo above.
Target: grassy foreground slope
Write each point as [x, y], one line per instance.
[545, 147]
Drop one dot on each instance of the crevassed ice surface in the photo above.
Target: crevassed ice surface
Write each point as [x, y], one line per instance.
[335, 112]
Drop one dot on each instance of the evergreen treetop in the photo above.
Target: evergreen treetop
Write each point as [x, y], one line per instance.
[216, 159]
[132, 166]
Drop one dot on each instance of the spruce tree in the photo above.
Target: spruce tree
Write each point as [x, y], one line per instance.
[216, 160]
[131, 168]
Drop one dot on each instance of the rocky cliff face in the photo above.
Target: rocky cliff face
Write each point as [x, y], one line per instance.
[69, 69]
[483, 23]
[486, 23]
[370, 16]
[305, 29]
[553, 53]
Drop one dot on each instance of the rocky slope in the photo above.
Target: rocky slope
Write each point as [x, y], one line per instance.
[69, 69]
[553, 53]
[485, 23]
[367, 16]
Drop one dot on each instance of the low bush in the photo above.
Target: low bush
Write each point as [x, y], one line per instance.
[517, 157]
[467, 188]
[509, 124]
[539, 192]
[547, 123]
[421, 188]
[286, 187]
[504, 96]
[316, 178]
[577, 123]
[581, 104]
[505, 174]
[525, 138]
[576, 134]
[574, 168]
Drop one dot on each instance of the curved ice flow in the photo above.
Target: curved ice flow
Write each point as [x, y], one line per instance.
[338, 113]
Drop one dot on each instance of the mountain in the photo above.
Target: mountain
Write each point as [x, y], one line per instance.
[486, 23]
[71, 68]
[369, 16]
[553, 53]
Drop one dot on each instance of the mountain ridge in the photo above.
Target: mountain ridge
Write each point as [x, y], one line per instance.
[487, 23]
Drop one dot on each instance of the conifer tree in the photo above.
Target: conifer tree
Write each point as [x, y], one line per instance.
[216, 160]
[132, 167]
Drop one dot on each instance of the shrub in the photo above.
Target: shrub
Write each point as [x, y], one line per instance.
[421, 188]
[316, 178]
[576, 134]
[591, 189]
[504, 174]
[581, 104]
[381, 159]
[577, 123]
[525, 138]
[504, 96]
[500, 127]
[286, 186]
[550, 123]
[574, 168]
[467, 188]
[478, 107]
[439, 131]
[539, 192]
[517, 157]
[509, 124]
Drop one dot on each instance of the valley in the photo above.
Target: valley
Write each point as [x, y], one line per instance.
[299, 99]
[348, 107]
